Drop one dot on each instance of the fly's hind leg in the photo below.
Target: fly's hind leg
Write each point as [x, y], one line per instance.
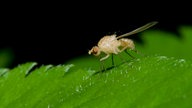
[129, 54]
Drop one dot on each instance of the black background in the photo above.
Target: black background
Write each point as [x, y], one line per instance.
[52, 33]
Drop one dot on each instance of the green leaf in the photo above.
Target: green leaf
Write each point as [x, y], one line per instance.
[148, 82]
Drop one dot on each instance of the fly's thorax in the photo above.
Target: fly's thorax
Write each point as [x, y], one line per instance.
[108, 41]
[109, 44]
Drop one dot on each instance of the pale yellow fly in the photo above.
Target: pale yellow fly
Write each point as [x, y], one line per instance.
[112, 44]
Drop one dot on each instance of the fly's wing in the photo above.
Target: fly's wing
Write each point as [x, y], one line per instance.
[140, 29]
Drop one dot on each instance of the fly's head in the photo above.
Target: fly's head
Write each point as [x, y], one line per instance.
[95, 51]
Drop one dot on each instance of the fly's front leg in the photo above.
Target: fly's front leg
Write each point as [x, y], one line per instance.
[102, 64]
[104, 57]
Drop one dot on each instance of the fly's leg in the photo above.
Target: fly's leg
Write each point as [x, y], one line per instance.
[129, 54]
[104, 57]
[112, 59]
[101, 62]
[102, 67]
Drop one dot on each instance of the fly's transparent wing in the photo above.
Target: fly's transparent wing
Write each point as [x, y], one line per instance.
[140, 29]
